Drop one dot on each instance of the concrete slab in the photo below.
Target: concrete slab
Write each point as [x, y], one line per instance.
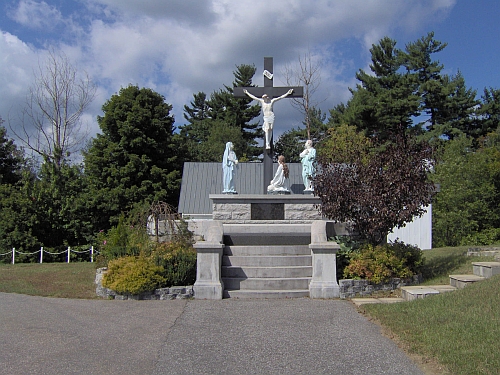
[363, 301]
[486, 269]
[410, 293]
[461, 281]
[443, 288]
[391, 300]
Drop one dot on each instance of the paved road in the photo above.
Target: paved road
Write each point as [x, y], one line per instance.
[293, 336]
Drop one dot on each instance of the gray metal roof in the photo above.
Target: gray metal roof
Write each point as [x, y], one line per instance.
[199, 180]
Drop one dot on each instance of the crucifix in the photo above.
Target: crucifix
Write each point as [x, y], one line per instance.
[267, 95]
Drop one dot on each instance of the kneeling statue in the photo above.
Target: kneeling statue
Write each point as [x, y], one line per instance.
[279, 183]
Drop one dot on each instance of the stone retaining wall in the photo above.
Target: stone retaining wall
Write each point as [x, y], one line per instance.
[484, 251]
[174, 292]
[350, 288]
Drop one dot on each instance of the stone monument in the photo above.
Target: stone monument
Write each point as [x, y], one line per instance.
[259, 245]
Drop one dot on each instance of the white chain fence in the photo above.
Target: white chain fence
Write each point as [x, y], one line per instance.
[68, 251]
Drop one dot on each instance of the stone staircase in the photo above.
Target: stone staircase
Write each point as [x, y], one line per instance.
[481, 271]
[266, 261]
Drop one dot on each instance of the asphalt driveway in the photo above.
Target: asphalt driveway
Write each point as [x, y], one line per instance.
[288, 336]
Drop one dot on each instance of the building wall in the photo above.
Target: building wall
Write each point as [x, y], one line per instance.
[418, 232]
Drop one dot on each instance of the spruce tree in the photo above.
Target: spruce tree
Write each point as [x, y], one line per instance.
[207, 116]
[137, 158]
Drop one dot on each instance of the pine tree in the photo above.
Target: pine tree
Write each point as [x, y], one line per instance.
[207, 116]
[137, 158]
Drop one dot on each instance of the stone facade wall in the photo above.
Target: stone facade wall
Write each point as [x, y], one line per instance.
[301, 212]
[241, 213]
[350, 288]
[231, 211]
[175, 292]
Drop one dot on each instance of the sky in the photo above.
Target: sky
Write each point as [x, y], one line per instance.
[181, 47]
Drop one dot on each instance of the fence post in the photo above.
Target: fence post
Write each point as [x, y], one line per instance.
[69, 251]
[13, 255]
[41, 254]
[92, 254]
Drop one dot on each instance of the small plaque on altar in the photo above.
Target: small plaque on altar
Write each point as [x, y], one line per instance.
[268, 211]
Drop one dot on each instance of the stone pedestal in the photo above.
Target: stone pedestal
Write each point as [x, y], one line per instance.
[324, 260]
[241, 209]
[208, 283]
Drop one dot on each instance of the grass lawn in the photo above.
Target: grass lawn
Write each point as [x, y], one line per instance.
[63, 280]
[444, 261]
[457, 332]
[461, 329]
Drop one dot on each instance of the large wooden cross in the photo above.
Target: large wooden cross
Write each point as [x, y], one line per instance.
[271, 92]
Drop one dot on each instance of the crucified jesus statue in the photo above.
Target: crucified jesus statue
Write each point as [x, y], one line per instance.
[267, 111]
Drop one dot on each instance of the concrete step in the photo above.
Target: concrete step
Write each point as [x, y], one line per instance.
[369, 300]
[268, 283]
[267, 234]
[267, 250]
[267, 229]
[486, 269]
[461, 281]
[258, 239]
[266, 272]
[267, 260]
[256, 294]
[410, 293]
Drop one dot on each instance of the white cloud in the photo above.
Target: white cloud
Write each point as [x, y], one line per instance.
[36, 15]
[180, 47]
[16, 73]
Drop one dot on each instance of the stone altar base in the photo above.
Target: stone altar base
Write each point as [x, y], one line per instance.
[266, 246]
[287, 208]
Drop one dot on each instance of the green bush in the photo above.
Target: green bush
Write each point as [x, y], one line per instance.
[486, 237]
[133, 275]
[380, 263]
[348, 247]
[122, 240]
[178, 261]
[160, 265]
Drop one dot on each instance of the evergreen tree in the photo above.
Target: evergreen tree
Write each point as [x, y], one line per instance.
[468, 203]
[17, 220]
[387, 98]
[291, 143]
[60, 205]
[431, 88]
[11, 160]
[137, 158]
[488, 113]
[206, 115]
[197, 130]
[407, 86]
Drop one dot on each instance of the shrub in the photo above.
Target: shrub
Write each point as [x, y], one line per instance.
[348, 247]
[122, 240]
[178, 260]
[383, 262]
[133, 275]
[161, 265]
[486, 237]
